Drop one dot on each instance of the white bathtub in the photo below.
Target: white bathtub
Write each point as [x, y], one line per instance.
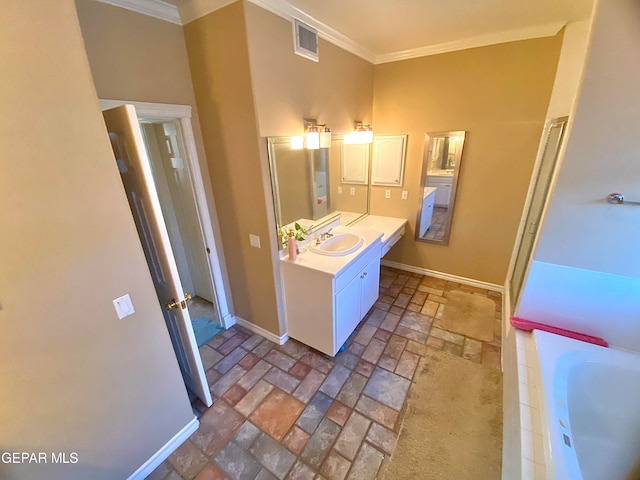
[590, 408]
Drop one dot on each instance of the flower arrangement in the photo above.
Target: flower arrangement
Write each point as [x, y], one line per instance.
[297, 232]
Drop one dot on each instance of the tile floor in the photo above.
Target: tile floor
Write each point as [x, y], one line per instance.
[438, 224]
[289, 412]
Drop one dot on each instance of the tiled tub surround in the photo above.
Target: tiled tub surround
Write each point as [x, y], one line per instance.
[290, 412]
[533, 466]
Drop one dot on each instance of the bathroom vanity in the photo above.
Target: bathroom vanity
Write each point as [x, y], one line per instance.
[326, 295]
[428, 201]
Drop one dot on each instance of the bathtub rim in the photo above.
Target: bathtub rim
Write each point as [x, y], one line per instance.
[555, 356]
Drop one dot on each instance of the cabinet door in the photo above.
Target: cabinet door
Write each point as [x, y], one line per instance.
[387, 163]
[443, 192]
[347, 314]
[370, 278]
[355, 163]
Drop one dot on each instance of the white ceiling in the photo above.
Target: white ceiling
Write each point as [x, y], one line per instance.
[386, 26]
[386, 30]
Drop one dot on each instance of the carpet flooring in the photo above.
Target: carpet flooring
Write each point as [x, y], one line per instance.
[453, 425]
[470, 315]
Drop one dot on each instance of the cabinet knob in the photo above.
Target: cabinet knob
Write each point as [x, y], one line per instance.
[365, 274]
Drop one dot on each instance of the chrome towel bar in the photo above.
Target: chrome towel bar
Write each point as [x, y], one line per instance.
[618, 199]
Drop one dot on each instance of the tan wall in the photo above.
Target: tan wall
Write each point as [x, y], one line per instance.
[499, 95]
[74, 377]
[219, 62]
[336, 90]
[140, 58]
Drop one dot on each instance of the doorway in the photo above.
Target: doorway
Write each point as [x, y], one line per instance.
[175, 224]
[167, 156]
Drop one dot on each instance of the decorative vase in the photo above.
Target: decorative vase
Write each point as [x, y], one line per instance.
[293, 250]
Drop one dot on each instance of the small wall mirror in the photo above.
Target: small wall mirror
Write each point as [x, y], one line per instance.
[440, 169]
[308, 187]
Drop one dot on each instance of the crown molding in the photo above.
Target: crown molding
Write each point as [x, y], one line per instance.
[153, 8]
[195, 9]
[466, 43]
[284, 9]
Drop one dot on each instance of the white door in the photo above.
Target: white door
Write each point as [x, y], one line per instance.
[135, 170]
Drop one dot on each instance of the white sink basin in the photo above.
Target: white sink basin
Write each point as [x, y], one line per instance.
[340, 244]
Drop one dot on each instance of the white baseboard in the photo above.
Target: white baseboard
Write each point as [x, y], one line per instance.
[280, 340]
[446, 276]
[161, 455]
[228, 321]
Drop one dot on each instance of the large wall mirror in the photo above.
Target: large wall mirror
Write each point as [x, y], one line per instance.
[440, 170]
[308, 185]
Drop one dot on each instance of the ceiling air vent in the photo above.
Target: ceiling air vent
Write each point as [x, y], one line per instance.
[306, 40]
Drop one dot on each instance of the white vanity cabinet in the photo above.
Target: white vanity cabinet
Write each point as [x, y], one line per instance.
[325, 300]
[354, 300]
[443, 192]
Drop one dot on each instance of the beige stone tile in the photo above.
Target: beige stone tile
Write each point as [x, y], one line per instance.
[277, 414]
[430, 308]
[252, 399]
[447, 336]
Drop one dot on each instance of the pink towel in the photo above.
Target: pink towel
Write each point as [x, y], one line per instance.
[528, 325]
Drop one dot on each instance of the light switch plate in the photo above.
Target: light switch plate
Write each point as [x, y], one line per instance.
[352, 191]
[405, 194]
[340, 190]
[387, 194]
[254, 240]
[123, 306]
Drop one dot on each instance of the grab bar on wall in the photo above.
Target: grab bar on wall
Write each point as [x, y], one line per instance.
[618, 199]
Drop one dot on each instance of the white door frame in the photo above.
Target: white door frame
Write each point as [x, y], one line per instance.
[182, 113]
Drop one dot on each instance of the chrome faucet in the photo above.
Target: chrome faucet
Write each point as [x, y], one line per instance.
[325, 235]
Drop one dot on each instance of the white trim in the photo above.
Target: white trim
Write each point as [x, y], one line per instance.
[445, 276]
[195, 9]
[280, 340]
[167, 449]
[152, 8]
[156, 111]
[473, 42]
[284, 9]
[215, 256]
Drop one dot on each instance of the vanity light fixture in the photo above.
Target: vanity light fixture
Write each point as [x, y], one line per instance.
[362, 134]
[316, 135]
[325, 136]
[297, 143]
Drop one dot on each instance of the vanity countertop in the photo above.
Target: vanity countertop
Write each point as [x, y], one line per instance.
[428, 191]
[389, 226]
[333, 265]
[440, 173]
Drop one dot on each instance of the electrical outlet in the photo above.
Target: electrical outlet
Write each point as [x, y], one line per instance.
[405, 194]
[387, 194]
[340, 190]
[352, 191]
[254, 240]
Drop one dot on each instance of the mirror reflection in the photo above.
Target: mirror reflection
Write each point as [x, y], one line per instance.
[309, 186]
[440, 167]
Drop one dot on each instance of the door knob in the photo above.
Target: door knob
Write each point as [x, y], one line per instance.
[175, 304]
